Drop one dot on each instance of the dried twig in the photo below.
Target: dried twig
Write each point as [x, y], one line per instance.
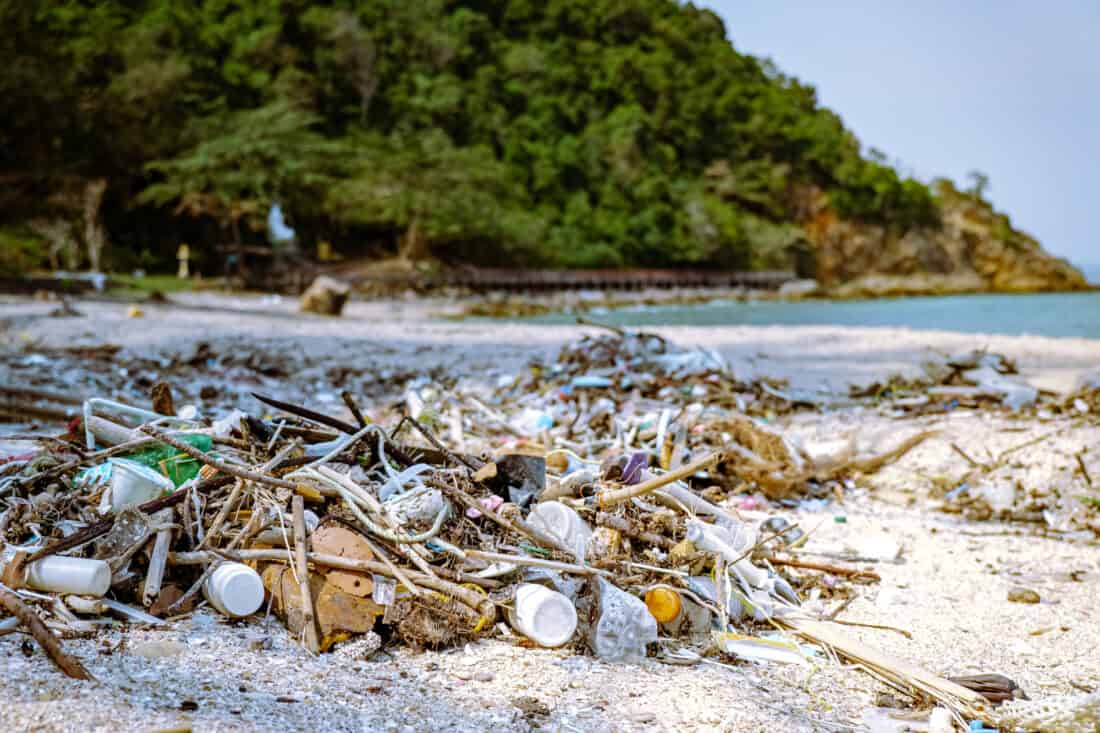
[227, 506]
[879, 627]
[822, 567]
[309, 615]
[353, 408]
[469, 597]
[1084, 469]
[537, 562]
[611, 497]
[154, 578]
[618, 331]
[973, 464]
[219, 464]
[14, 605]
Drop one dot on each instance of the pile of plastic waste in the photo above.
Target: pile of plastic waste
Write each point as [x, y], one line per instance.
[617, 500]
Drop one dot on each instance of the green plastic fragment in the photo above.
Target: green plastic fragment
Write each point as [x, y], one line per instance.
[177, 466]
[531, 549]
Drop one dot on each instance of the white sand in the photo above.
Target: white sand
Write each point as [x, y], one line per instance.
[949, 591]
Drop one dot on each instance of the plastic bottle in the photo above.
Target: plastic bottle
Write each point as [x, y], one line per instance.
[562, 523]
[543, 615]
[234, 589]
[704, 587]
[713, 538]
[76, 575]
[624, 626]
[132, 483]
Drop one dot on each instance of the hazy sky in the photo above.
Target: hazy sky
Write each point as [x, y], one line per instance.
[1011, 88]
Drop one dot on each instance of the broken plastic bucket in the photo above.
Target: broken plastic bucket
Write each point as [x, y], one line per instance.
[543, 615]
[133, 483]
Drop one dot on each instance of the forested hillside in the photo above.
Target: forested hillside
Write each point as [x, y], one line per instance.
[524, 132]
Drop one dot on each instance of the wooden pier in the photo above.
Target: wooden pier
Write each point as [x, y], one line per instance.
[530, 280]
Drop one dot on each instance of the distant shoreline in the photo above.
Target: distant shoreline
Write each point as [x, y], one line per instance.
[518, 304]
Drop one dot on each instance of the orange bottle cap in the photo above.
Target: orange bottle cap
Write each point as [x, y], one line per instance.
[663, 604]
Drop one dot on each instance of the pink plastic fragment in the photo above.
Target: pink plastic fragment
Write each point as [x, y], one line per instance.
[492, 503]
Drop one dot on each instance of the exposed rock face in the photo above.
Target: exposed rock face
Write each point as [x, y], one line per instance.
[974, 250]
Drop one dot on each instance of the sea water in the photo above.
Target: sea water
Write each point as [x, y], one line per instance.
[1055, 314]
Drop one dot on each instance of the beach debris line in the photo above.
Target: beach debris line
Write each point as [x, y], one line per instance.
[972, 378]
[619, 499]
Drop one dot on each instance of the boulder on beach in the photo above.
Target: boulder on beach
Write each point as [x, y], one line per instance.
[326, 296]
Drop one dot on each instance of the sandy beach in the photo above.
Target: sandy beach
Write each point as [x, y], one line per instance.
[947, 589]
[389, 332]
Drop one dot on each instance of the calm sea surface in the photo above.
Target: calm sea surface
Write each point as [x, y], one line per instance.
[1066, 315]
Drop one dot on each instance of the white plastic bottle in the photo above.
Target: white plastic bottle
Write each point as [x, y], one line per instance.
[543, 615]
[75, 575]
[234, 589]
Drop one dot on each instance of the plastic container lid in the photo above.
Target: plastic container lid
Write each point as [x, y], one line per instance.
[235, 589]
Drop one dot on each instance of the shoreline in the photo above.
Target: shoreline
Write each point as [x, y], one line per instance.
[500, 304]
[397, 332]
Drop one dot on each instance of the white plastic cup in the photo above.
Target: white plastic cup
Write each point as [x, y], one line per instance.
[545, 616]
[75, 575]
[234, 589]
[132, 483]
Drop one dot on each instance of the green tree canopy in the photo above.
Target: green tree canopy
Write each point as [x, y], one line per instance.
[552, 132]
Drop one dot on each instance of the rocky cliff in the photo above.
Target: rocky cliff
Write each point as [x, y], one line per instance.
[974, 249]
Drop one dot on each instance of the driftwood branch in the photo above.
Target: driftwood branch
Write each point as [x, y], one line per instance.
[471, 598]
[222, 466]
[611, 497]
[833, 569]
[14, 605]
[309, 616]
